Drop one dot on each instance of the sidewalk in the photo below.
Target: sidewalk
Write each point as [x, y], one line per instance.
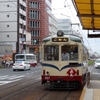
[92, 92]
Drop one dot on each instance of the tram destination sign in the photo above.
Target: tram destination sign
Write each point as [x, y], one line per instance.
[59, 39]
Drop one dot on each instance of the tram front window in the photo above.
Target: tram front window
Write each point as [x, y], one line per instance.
[69, 52]
[51, 52]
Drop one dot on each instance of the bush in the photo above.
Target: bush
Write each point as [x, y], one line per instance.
[1, 66]
[91, 62]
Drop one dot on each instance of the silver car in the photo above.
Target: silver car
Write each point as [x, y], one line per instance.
[21, 65]
[97, 64]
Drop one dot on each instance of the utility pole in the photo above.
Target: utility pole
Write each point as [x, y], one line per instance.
[22, 38]
[17, 43]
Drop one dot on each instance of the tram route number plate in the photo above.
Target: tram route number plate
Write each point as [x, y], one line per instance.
[47, 78]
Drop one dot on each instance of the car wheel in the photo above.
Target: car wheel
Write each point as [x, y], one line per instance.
[24, 68]
[34, 65]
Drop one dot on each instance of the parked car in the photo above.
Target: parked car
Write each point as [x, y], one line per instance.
[97, 64]
[21, 65]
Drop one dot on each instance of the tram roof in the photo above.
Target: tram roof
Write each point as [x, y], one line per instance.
[72, 37]
[88, 12]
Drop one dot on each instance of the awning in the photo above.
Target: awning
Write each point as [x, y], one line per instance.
[88, 12]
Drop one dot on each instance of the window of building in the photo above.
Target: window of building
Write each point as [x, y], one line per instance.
[34, 24]
[33, 4]
[7, 25]
[34, 14]
[7, 15]
[7, 5]
[35, 33]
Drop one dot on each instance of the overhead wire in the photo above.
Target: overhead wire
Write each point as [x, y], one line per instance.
[9, 6]
[76, 21]
[4, 12]
[13, 2]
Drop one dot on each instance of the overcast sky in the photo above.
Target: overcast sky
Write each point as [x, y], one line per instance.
[65, 9]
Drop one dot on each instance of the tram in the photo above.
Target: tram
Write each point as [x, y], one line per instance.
[58, 73]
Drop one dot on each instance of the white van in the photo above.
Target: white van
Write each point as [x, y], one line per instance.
[31, 58]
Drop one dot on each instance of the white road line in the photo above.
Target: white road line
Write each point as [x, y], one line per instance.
[4, 79]
[96, 73]
[5, 82]
[16, 77]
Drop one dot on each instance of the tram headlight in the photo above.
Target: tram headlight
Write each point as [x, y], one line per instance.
[65, 39]
[60, 39]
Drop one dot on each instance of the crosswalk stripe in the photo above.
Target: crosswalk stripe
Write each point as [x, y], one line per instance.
[15, 77]
[4, 79]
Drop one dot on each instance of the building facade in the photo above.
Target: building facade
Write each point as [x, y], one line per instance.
[20, 19]
[65, 25]
[38, 22]
[54, 25]
[12, 26]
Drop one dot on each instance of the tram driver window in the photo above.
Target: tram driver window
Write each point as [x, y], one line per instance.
[72, 51]
[51, 52]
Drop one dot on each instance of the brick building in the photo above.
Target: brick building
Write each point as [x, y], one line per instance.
[38, 21]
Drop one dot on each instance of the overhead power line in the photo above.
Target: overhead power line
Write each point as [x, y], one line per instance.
[65, 2]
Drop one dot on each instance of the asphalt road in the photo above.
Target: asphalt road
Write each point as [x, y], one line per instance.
[7, 75]
[95, 73]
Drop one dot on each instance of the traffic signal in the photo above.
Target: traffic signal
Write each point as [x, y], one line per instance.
[36, 41]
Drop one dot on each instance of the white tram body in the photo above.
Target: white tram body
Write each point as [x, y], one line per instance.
[70, 73]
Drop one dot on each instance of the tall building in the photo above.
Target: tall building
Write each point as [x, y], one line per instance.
[12, 26]
[54, 25]
[19, 17]
[38, 22]
[65, 25]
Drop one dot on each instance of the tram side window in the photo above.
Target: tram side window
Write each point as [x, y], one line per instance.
[85, 54]
[71, 52]
[51, 52]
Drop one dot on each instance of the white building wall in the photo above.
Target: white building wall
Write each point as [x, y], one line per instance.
[12, 16]
[8, 21]
[6, 5]
[54, 25]
[48, 3]
[65, 25]
[49, 11]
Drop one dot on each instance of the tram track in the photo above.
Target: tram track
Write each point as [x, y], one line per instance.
[18, 86]
[2, 87]
[43, 94]
[31, 89]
